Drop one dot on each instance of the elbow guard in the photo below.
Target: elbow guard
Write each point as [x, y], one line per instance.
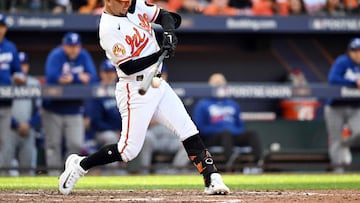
[177, 19]
[168, 20]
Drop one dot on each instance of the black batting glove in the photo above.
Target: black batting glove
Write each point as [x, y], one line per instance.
[169, 43]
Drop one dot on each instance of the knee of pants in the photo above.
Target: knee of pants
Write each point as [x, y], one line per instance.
[130, 152]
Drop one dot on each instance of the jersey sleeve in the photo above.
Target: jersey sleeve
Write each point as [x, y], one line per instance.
[15, 63]
[340, 74]
[90, 67]
[116, 49]
[53, 67]
[149, 9]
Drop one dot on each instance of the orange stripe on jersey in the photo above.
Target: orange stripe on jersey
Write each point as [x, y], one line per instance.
[155, 15]
[122, 60]
[128, 123]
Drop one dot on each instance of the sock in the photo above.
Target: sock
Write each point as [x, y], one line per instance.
[106, 155]
[200, 157]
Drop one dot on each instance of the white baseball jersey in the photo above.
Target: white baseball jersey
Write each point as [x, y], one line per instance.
[131, 37]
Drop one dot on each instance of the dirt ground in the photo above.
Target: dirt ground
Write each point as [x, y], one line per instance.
[318, 196]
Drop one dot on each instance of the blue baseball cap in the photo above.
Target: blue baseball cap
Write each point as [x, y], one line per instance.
[354, 44]
[106, 65]
[71, 38]
[3, 19]
[24, 58]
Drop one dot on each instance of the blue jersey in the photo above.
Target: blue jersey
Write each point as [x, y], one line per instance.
[9, 64]
[57, 64]
[104, 115]
[344, 72]
[213, 116]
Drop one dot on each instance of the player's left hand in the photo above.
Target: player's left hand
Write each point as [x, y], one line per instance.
[23, 129]
[169, 43]
[84, 78]
[19, 78]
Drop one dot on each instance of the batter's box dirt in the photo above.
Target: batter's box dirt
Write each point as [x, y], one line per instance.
[322, 196]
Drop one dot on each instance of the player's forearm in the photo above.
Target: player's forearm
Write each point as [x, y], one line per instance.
[134, 66]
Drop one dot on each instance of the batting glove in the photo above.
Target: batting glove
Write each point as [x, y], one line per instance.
[169, 43]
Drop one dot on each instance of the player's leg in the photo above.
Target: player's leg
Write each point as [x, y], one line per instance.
[335, 119]
[354, 120]
[74, 133]
[225, 139]
[354, 139]
[10, 148]
[27, 153]
[136, 112]
[52, 126]
[77, 166]
[147, 152]
[250, 138]
[105, 138]
[172, 113]
[5, 120]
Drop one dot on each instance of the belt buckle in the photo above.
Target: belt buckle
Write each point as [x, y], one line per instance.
[139, 77]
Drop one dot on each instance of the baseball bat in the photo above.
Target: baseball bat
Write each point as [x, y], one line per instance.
[145, 84]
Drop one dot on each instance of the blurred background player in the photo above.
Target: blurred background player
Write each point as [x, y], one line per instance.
[10, 73]
[68, 64]
[219, 123]
[344, 113]
[20, 145]
[104, 114]
[220, 8]
[92, 7]
[191, 7]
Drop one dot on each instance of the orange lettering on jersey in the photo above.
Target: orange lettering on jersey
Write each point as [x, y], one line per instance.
[137, 42]
[138, 51]
[145, 22]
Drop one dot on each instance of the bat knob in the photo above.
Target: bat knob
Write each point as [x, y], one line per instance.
[142, 92]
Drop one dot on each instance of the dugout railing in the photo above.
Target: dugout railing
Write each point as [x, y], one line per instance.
[303, 143]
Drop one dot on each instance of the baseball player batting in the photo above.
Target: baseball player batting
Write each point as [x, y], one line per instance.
[128, 39]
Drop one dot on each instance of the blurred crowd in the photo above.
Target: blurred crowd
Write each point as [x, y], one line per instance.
[205, 7]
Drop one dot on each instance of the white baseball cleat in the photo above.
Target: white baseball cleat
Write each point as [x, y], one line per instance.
[73, 172]
[217, 186]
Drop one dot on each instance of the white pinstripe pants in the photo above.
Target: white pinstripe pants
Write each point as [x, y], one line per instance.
[136, 111]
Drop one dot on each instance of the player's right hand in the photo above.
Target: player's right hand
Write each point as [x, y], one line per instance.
[84, 78]
[169, 43]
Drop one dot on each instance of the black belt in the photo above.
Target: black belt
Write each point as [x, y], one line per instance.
[141, 77]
